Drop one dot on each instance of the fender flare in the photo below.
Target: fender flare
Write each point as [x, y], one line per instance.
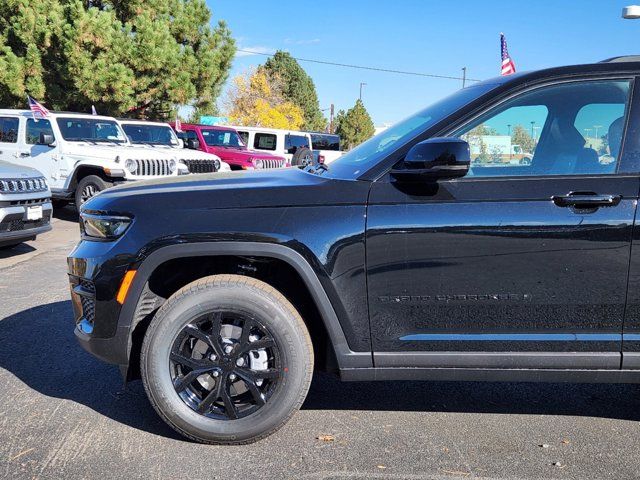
[345, 357]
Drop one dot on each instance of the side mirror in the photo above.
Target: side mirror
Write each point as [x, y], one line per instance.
[443, 157]
[46, 139]
[193, 144]
[180, 143]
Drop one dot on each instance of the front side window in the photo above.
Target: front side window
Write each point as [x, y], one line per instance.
[265, 141]
[35, 128]
[90, 130]
[567, 129]
[244, 136]
[150, 134]
[9, 129]
[221, 138]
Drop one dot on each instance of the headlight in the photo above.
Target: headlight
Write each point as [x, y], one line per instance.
[257, 163]
[105, 227]
[131, 165]
[172, 166]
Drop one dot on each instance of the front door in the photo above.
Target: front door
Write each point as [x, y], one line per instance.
[523, 262]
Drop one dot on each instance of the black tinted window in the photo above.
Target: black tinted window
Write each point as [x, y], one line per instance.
[265, 141]
[325, 141]
[569, 129]
[8, 129]
[244, 136]
[35, 128]
[295, 141]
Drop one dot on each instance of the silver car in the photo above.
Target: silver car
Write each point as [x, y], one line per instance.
[25, 204]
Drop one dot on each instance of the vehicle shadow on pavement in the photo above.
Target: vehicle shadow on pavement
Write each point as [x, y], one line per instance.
[68, 213]
[17, 250]
[39, 348]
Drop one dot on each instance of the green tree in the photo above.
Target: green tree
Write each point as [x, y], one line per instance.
[355, 126]
[520, 136]
[298, 88]
[138, 57]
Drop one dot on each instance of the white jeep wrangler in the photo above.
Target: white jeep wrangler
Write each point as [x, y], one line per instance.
[79, 154]
[158, 135]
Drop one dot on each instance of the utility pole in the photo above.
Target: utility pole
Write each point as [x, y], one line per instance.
[361, 85]
[464, 76]
[331, 119]
[533, 122]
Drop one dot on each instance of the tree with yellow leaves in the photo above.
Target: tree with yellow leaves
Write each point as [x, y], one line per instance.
[256, 100]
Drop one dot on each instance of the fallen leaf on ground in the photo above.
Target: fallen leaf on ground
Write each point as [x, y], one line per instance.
[326, 438]
[566, 442]
[382, 467]
[24, 452]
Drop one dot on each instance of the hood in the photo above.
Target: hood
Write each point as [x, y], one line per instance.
[242, 152]
[9, 170]
[109, 151]
[284, 187]
[180, 153]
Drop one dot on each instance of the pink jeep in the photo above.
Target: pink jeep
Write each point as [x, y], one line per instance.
[226, 143]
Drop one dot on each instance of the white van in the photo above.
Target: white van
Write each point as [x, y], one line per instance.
[79, 154]
[326, 145]
[293, 145]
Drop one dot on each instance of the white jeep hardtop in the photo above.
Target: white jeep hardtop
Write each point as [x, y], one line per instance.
[79, 154]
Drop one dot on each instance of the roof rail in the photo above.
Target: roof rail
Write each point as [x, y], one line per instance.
[624, 58]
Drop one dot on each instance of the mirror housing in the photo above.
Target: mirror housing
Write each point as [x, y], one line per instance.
[180, 143]
[440, 157]
[46, 139]
[193, 144]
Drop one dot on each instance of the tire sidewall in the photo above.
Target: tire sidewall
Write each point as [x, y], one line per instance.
[98, 182]
[289, 341]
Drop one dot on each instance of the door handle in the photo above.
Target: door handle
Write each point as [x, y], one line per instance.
[586, 200]
[25, 154]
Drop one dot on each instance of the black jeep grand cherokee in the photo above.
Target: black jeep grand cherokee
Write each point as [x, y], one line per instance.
[488, 237]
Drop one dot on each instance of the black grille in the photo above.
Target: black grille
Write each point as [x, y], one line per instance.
[38, 201]
[19, 225]
[200, 166]
[88, 302]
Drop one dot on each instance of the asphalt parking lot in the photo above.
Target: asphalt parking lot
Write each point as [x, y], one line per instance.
[64, 414]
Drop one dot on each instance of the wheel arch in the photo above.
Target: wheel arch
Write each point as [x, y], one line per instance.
[129, 317]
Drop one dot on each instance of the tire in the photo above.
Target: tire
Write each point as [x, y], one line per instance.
[88, 187]
[195, 304]
[302, 158]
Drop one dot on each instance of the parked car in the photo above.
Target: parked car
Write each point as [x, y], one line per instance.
[293, 145]
[79, 155]
[401, 260]
[25, 204]
[227, 144]
[158, 135]
[327, 145]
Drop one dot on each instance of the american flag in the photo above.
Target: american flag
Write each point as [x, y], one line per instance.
[178, 125]
[37, 108]
[508, 67]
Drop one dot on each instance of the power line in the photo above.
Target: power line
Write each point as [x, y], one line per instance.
[361, 67]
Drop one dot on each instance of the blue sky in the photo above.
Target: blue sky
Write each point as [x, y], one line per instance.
[426, 36]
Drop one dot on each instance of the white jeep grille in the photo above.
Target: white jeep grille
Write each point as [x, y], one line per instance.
[152, 167]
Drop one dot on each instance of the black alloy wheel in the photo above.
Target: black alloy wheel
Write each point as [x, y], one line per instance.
[225, 365]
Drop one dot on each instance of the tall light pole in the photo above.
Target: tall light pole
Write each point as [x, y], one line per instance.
[533, 122]
[362, 84]
[597, 127]
[464, 76]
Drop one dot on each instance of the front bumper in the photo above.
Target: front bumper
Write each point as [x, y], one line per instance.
[94, 278]
[15, 225]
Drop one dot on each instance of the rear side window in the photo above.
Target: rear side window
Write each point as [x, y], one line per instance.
[265, 141]
[295, 141]
[322, 141]
[35, 128]
[8, 129]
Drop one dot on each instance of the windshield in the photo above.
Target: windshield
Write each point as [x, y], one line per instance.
[366, 155]
[150, 134]
[221, 138]
[90, 130]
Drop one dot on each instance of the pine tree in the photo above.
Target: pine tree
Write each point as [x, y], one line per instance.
[298, 87]
[355, 126]
[135, 57]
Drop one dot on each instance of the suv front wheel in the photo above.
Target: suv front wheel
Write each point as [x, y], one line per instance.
[227, 360]
[88, 187]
